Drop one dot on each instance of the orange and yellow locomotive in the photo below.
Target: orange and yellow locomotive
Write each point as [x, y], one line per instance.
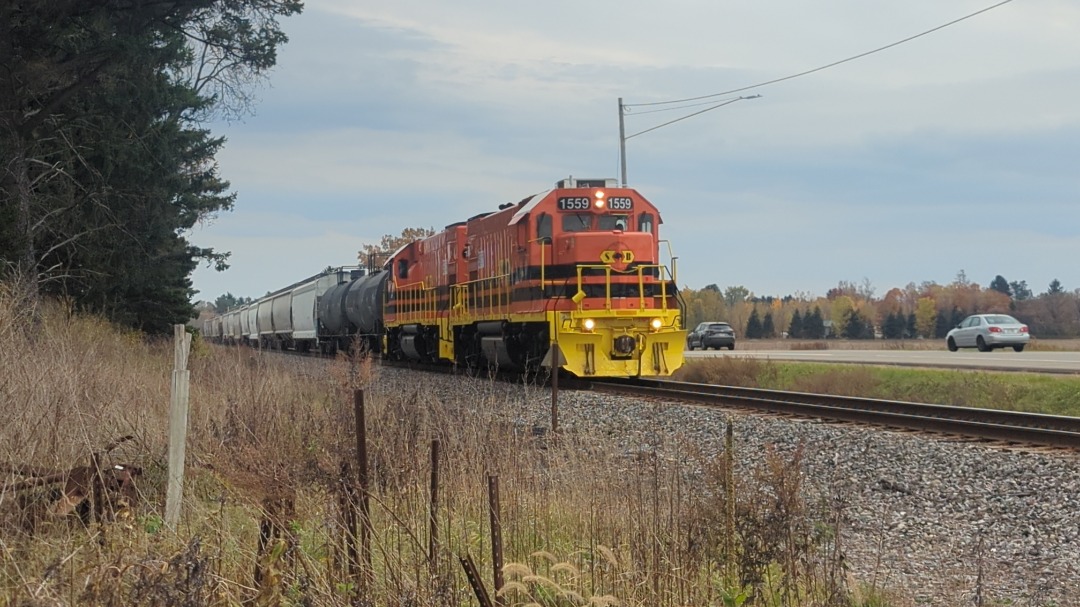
[577, 267]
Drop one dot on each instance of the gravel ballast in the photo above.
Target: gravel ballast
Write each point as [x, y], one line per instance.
[940, 520]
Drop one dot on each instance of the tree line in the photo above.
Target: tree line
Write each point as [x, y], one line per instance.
[105, 162]
[853, 311]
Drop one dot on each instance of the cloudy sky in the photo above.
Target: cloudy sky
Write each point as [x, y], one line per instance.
[959, 150]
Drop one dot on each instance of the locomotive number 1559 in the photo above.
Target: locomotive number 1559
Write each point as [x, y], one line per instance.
[584, 203]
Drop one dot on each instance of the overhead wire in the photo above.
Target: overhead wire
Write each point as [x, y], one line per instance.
[817, 69]
[708, 109]
[674, 108]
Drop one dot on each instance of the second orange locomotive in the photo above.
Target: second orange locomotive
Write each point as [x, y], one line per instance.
[577, 266]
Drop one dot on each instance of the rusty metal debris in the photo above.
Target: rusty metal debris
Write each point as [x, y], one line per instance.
[96, 491]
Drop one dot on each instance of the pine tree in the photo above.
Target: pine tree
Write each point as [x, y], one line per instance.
[941, 325]
[853, 328]
[894, 326]
[1001, 285]
[106, 164]
[795, 329]
[909, 328]
[814, 325]
[956, 317]
[1020, 290]
[767, 328]
[753, 325]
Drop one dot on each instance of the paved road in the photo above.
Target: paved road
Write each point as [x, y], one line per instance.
[1000, 360]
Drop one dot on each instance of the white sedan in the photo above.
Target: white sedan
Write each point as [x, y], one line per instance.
[988, 331]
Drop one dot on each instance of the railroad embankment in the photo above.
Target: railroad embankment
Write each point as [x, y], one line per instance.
[631, 503]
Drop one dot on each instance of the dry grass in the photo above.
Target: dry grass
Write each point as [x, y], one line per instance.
[584, 522]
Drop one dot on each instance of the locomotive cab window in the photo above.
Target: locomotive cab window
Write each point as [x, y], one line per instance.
[577, 222]
[645, 223]
[403, 268]
[614, 222]
[543, 226]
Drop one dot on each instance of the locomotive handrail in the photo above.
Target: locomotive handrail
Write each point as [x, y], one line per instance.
[464, 300]
[409, 309]
[543, 265]
[662, 273]
[671, 256]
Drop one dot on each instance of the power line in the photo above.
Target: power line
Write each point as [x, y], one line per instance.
[673, 108]
[824, 67]
[690, 115]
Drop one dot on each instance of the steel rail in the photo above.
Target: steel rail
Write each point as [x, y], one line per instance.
[988, 424]
[993, 424]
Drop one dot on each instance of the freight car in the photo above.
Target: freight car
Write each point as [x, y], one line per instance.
[577, 267]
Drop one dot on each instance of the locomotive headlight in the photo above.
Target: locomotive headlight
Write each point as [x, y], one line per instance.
[588, 324]
[601, 199]
[656, 323]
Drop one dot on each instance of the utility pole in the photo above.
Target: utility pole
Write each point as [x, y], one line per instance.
[622, 142]
[622, 126]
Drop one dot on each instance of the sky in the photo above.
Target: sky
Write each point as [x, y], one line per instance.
[956, 151]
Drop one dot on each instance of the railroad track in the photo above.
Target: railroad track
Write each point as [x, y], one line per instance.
[986, 424]
[989, 424]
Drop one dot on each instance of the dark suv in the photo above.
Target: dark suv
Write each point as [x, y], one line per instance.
[711, 335]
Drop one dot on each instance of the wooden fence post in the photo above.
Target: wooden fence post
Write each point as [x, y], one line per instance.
[365, 489]
[433, 509]
[556, 359]
[496, 536]
[178, 416]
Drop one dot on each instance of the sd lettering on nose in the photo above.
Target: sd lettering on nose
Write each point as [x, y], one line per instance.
[617, 258]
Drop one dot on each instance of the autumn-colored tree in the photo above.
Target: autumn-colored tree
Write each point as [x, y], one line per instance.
[375, 256]
[992, 300]
[966, 295]
[892, 303]
[704, 306]
[842, 307]
[780, 308]
[1055, 313]
[926, 309]
[736, 298]
[736, 295]
[925, 317]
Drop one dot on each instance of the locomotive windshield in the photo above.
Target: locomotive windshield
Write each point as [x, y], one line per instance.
[577, 222]
[613, 222]
[585, 222]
